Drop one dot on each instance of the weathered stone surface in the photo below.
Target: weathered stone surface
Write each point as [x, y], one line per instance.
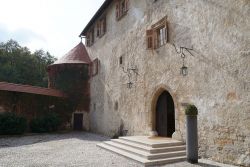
[218, 82]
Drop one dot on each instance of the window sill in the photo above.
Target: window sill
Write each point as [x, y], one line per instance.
[123, 15]
[89, 45]
[100, 36]
[157, 48]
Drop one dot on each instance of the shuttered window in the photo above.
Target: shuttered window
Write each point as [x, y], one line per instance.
[101, 27]
[88, 40]
[161, 34]
[150, 39]
[92, 36]
[95, 67]
[157, 36]
[98, 29]
[104, 25]
[117, 10]
[121, 8]
[126, 5]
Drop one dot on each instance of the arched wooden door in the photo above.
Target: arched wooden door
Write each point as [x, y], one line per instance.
[165, 115]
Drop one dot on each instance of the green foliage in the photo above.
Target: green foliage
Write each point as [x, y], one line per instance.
[11, 123]
[73, 80]
[19, 65]
[191, 110]
[47, 123]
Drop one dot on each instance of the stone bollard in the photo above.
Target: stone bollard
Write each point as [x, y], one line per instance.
[192, 134]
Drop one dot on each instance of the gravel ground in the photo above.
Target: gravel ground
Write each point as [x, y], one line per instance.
[68, 149]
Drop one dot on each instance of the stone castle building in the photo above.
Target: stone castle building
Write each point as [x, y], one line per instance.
[150, 58]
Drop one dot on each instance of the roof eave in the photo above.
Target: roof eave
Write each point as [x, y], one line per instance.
[86, 63]
[99, 12]
[12, 87]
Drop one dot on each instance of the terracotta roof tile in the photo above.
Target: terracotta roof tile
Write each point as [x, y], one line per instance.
[5, 86]
[77, 55]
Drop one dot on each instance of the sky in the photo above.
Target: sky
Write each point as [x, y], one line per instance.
[51, 25]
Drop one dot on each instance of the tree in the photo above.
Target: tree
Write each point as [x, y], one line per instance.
[19, 65]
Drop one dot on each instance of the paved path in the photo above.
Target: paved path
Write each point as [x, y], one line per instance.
[70, 149]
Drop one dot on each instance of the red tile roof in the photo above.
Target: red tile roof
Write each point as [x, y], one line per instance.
[77, 55]
[5, 86]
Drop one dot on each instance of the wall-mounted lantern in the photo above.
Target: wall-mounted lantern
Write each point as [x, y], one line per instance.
[131, 71]
[129, 85]
[183, 69]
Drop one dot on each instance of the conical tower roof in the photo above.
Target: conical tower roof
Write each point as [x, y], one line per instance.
[77, 55]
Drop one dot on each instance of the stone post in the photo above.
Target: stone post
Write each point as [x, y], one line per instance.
[192, 139]
[192, 134]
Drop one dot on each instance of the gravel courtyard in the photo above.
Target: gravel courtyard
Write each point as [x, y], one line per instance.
[68, 149]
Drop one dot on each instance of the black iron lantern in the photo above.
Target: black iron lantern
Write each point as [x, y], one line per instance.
[184, 70]
[130, 71]
[129, 85]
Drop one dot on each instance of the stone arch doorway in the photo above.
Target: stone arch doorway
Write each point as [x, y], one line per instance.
[165, 115]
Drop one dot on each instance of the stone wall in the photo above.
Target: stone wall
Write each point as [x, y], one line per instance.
[33, 106]
[2, 109]
[218, 82]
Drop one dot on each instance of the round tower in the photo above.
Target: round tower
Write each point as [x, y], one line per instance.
[70, 74]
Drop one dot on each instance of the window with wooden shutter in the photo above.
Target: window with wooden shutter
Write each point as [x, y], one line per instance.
[166, 33]
[161, 36]
[95, 65]
[158, 34]
[126, 5]
[117, 11]
[92, 38]
[155, 39]
[101, 26]
[104, 27]
[150, 39]
[88, 40]
[122, 7]
[98, 29]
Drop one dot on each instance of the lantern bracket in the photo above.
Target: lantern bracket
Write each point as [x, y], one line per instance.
[182, 49]
[130, 71]
[183, 69]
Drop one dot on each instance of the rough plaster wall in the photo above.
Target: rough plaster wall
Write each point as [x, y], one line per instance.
[218, 82]
[109, 86]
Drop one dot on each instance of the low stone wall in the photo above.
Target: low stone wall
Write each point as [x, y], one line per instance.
[2, 109]
[32, 106]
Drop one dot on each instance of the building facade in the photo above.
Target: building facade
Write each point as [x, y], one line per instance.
[139, 47]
